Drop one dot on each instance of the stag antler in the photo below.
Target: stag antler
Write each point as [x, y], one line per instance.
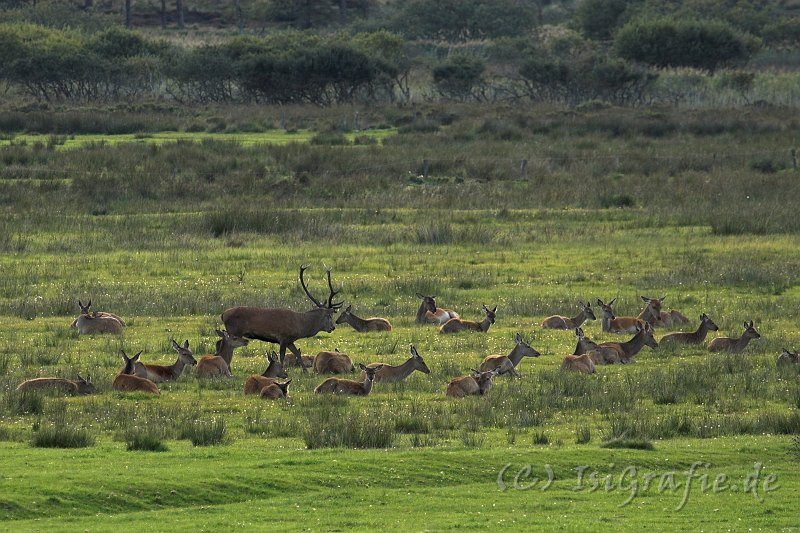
[332, 305]
[303, 284]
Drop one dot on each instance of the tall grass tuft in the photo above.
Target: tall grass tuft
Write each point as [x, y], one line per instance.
[142, 439]
[335, 427]
[204, 432]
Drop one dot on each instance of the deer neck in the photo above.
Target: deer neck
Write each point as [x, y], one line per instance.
[359, 324]
[485, 323]
[579, 319]
[177, 368]
[421, 313]
[312, 322]
[633, 346]
[366, 386]
[516, 355]
[402, 371]
[648, 316]
[225, 350]
[701, 332]
[741, 342]
[605, 323]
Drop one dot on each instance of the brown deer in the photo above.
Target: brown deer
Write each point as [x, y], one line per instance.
[275, 391]
[348, 386]
[695, 337]
[307, 360]
[219, 364]
[734, 345]
[334, 362]
[627, 350]
[284, 326]
[68, 386]
[428, 313]
[578, 363]
[91, 323]
[614, 324]
[585, 344]
[600, 355]
[127, 382]
[392, 374]
[454, 325]
[160, 373]
[562, 322]
[508, 363]
[254, 383]
[85, 311]
[363, 325]
[479, 383]
[785, 360]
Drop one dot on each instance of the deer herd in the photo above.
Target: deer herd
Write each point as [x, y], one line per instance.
[284, 327]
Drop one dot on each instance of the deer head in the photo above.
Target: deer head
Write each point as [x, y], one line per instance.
[419, 362]
[184, 353]
[704, 319]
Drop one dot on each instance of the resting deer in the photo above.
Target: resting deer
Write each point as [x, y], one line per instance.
[348, 386]
[127, 382]
[562, 322]
[219, 364]
[334, 362]
[479, 383]
[600, 355]
[275, 391]
[579, 363]
[614, 324]
[91, 323]
[627, 350]
[68, 386]
[454, 325]
[392, 374]
[307, 361]
[160, 373]
[254, 383]
[734, 345]
[508, 363]
[284, 326]
[363, 324]
[428, 313]
[654, 315]
[695, 337]
[785, 359]
[85, 311]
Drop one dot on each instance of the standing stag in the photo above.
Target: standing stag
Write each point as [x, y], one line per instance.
[255, 383]
[454, 325]
[284, 326]
[508, 363]
[363, 325]
[219, 364]
[734, 345]
[479, 383]
[392, 374]
[694, 337]
[127, 382]
[428, 313]
[79, 386]
[563, 322]
[348, 386]
[159, 373]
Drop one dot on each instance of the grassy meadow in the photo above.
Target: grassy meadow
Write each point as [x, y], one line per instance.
[168, 236]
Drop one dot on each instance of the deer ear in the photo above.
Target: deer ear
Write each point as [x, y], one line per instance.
[186, 345]
[645, 298]
[495, 309]
[88, 378]
[136, 357]
[362, 366]
[663, 298]
[612, 301]
[80, 378]
[89, 303]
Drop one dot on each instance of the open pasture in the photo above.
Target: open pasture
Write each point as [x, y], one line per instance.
[169, 281]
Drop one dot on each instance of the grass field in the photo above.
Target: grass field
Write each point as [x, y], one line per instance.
[408, 457]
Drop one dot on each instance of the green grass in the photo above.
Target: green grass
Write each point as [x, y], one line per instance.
[171, 263]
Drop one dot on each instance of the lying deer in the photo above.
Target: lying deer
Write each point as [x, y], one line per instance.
[614, 324]
[655, 316]
[454, 325]
[219, 364]
[85, 311]
[578, 363]
[307, 361]
[428, 313]
[785, 360]
[695, 337]
[733, 345]
[479, 383]
[160, 373]
[254, 383]
[363, 324]
[562, 322]
[508, 363]
[68, 386]
[348, 386]
[89, 324]
[127, 382]
[275, 391]
[627, 350]
[393, 374]
[334, 362]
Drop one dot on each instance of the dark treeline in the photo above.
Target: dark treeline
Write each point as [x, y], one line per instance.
[326, 53]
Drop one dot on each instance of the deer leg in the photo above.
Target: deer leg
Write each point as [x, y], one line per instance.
[297, 357]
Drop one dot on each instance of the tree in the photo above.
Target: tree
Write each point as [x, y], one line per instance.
[599, 19]
[458, 77]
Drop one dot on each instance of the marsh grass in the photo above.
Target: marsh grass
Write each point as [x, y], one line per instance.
[331, 426]
[204, 432]
[144, 440]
